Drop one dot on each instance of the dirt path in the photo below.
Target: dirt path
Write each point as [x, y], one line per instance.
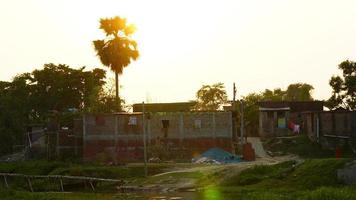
[194, 177]
[257, 145]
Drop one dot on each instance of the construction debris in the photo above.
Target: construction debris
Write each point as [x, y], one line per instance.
[216, 156]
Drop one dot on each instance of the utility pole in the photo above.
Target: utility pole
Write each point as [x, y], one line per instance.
[233, 109]
[144, 137]
[242, 122]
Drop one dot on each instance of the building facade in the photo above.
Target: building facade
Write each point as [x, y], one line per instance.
[276, 118]
[330, 127]
[120, 136]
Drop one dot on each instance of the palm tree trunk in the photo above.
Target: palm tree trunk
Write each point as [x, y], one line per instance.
[117, 87]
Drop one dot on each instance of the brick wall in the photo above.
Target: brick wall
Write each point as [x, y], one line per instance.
[192, 131]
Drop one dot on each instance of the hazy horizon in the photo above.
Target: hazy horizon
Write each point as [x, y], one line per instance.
[183, 45]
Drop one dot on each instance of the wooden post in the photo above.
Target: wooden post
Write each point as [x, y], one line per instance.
[29, 184]
[7, 185]
[92, 186]
[61, 184]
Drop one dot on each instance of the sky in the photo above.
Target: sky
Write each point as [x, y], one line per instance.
[184, 44]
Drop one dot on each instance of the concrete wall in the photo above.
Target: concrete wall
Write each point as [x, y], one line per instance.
[268, 123]
[330, 128]
[111, 136]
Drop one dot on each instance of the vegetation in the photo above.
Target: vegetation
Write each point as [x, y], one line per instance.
[344, 88]
[54, 89]
[211, 97]
[77, 169]
[300, 145]
[128, 173]
[312, 179]
[294, 92]
[118, 48]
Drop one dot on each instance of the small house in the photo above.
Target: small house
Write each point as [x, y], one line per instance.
[277, 118]
[176, 131]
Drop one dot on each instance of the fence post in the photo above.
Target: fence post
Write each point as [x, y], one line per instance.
[7, 185]
[29, 183]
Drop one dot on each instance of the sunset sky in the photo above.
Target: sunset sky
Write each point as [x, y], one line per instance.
[184, 44]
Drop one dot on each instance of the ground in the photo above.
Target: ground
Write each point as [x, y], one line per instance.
[303, 177]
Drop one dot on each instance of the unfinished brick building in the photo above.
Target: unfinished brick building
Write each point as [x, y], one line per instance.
[275, 116]
[330, 127]
[180, 134]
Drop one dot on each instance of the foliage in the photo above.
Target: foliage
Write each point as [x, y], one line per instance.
[260, 172]
[310, 174]
[30, 97]
[344, 88]
[11, 194]
[273, 95]
[118, 49]
[316, 173]
[76, 169]
[330, 193]
[299, 92]
[294, 92]
[211, 97]
[59, 87]
[301, 146]
[103, 100]
[251, 112]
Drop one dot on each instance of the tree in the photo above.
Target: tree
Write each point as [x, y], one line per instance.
[299, 92]
[59, 87]
[29, 97]
[251, 111]
[102, 100]
[118, 48]
[211, 97]
[273, 95]
[294, 92]
[344, 88]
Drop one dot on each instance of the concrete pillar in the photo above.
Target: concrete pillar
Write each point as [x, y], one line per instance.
[260, 126]
[214, 126]
[181, 127]
[287, 115]
[84, 134]
[149, 130]
[116, 135]
[232, 126]
[275, 119]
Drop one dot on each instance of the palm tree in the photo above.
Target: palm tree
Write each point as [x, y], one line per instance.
[118, 48]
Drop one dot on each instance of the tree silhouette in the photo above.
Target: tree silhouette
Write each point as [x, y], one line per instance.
[211, 97]
[344, 88]
[118, 49]
[299, 92]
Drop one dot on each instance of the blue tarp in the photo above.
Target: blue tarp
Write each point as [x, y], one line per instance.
[218, 155]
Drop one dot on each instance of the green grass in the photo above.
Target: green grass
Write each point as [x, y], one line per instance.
[301, 146]
[314, 179]
[310, 174]
[316, 173]
[32, 167]
[73, 169]
[259, 173]
[11, 194]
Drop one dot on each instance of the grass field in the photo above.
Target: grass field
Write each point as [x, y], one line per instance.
[311, 179]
